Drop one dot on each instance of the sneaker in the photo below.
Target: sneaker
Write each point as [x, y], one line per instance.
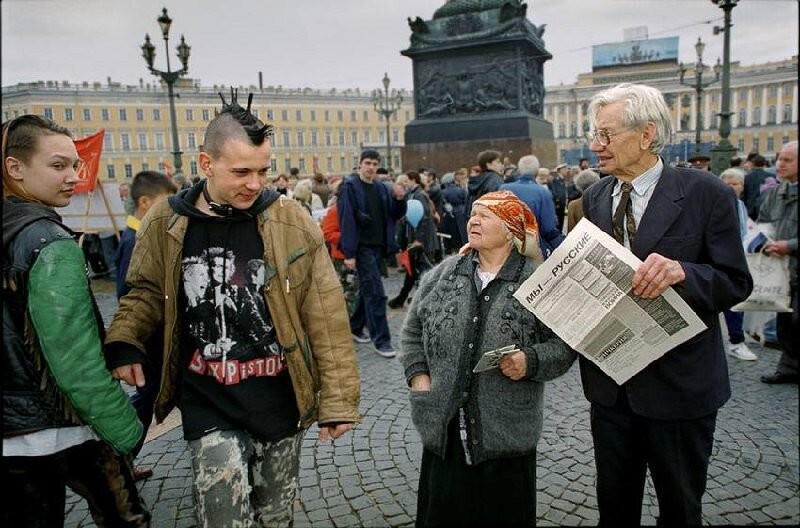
[361, 337]
[385, 351]
[742, 351]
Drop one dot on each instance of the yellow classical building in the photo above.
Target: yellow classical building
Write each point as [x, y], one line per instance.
[322, 130]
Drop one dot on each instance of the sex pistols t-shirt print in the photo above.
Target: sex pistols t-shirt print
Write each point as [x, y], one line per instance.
[234, 373]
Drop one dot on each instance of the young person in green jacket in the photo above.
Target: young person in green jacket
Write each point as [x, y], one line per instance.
[66, 421]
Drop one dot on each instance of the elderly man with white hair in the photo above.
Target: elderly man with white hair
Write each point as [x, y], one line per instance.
[683, 225]
[540, 201]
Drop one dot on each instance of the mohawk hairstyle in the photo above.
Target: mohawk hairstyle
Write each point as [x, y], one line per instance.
[256, 130]
[234, 121]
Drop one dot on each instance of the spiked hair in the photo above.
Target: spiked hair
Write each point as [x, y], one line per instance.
[235, 122]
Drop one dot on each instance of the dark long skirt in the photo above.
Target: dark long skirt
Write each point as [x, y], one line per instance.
[499, 492]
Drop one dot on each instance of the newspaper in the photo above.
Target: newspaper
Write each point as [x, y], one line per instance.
[583, 293]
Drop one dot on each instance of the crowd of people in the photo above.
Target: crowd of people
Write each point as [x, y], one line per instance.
[241, 296]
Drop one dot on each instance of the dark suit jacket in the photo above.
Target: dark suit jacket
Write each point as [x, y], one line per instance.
[692, 218]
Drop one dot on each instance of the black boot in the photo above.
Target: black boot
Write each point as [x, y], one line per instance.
[396, 302]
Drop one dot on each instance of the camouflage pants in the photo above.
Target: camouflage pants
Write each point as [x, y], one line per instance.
[349, 281]
[240, 481]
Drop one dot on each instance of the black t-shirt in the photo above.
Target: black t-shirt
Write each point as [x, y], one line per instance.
[373, 233]
[226, 328]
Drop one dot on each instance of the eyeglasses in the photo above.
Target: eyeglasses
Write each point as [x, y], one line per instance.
[603, 136]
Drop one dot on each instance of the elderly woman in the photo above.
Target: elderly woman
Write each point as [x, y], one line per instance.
[479, 430]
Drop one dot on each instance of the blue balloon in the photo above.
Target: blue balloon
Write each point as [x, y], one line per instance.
[414, 212]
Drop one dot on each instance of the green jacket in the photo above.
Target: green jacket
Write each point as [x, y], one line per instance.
[54, 374]
[302, 292]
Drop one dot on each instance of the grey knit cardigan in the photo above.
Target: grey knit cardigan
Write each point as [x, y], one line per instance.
[448, 327]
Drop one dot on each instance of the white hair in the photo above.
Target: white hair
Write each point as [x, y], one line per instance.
[528, 165]
[644, 104]
[732, 173]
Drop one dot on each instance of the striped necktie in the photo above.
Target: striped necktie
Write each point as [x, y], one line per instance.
[624, 216]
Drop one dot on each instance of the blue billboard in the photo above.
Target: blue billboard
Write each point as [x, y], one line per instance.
[635, 52]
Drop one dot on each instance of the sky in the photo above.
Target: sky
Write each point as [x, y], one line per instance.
[344, 43]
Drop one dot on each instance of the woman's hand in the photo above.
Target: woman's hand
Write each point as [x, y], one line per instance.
[421, 383]
[514, 366]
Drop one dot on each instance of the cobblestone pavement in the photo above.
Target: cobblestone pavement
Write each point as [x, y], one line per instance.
[369, 478]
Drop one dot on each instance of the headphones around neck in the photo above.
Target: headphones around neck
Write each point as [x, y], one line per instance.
[220, 209]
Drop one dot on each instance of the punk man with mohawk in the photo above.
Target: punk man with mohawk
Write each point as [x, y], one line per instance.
[249, 374]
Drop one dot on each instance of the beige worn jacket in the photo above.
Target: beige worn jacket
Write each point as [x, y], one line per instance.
[301, 289]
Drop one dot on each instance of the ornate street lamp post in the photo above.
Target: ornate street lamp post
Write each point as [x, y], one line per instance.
[386, 105]
[724, 150]
[699, 86]
[169, 77]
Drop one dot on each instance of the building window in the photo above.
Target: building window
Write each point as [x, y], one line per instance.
[353, 116]
[273, 165]
[142, 141]
[192, 139]
[772, 115]
[408, 115]
[354, 138]
[740, 145]
[313, 138]
[382, 137]
[396, 161]
[787, 89]
[329, 164]
[156, 114]
[108, 142]
[128, 171]
[313, 115]
[755, 144]
[270, 115]
[159, 141]
[327, 115]
[562, 130]
[145, 166]
[756, 116]
[125, 140]
[396, 136]
[757, 92]
[287, 165]
[48, 113]
[68, 114]
[286, 142]
[773, 91]
[342, 163]
[123, 114]
[366, 115]
[300, 139]
[189, 114]
[111, 171]
[367, 137]
[742, 117]
[139, 114]
[784, 140]
[743, 95]
[562, 109]
[298, 115]
[787, 113]
[284, 115]
[87, 114]
[340, 115]
[770, 144]
[328, 138]
[573, 129]
[206, 114]
[301, 164]
[193, 168]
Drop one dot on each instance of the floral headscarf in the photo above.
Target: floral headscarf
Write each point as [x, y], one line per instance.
[519, 219]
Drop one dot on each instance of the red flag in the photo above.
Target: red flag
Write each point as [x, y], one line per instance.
[89, 150]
